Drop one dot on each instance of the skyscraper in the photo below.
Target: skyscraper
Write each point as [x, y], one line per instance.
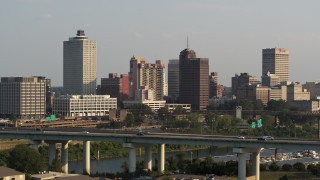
[147, 74]
[276, 61]
[215, 89]
[194, 80]
[173, 79]
[79, 65]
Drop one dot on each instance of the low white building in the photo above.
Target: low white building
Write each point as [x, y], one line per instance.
[172, 107]
[154, 105]
[83, 105]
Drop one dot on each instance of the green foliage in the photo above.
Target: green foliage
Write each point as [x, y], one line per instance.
[25, 159]
[287, 167]
[246, 105]
[277, 105]
[125, 167]
[163, 113]
[55, 166]
[179, 110]
[314, 169]
[285, 177]
[299, 166]
[263, 167]
[140, 110]
[4, 155]
[274, 167]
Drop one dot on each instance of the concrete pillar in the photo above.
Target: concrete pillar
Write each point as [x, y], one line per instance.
[255, 159]
[132, 156]
[86, 157]
[52, 152]
[132, 160]
[161, 158]
[64, 157]
[148, 157]
[241, 166]
[34, 144]
[239, 112]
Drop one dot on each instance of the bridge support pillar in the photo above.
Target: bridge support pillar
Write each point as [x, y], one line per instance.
[242, 152]
[132, 160]
[86, 157]
[161, 153]
[52, 152]
[255, 159]
[34, 144]
[132, 156]
[241, 166]
[64, 156]
[148, 157]
[318, 128]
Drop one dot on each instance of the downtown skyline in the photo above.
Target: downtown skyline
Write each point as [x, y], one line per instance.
[231, 34]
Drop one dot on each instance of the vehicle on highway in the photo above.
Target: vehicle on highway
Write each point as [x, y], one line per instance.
[140, 134]
[266, 138]
[241, 137]
[85, 132]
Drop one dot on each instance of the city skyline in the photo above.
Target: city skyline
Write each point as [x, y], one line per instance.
[231, 34]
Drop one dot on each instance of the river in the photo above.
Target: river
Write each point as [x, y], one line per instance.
[113, 165]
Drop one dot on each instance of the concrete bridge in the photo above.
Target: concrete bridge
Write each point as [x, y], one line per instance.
[133, 141]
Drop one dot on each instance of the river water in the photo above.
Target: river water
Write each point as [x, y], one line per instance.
[113, 165]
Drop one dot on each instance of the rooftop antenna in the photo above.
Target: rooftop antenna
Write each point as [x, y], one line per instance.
[187, 42]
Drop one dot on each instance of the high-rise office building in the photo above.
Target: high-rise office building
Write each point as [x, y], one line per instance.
[146, 74]
[116, 87]
[270, 80]
[79, 65]
[215, 89]
[173, 79]
[241, 85]
[194, 80]
[276, 61]
[244, 79]
[25, 97]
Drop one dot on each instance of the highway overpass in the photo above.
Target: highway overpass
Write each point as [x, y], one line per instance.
[132, 141]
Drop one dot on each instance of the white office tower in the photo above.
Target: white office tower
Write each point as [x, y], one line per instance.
[79, 65]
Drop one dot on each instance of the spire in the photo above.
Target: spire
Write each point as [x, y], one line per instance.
[187, 42]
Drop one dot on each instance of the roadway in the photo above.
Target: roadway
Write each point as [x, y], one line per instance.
[155, 137]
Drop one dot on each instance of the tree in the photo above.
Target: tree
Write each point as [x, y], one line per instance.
[3, 157]
[139, 111]
[25, 159]
[163, 113]
[125, 167]
[55, 166]
[287, 167]
[179, 110]
[277, 105]
[263, 167]
[210, 120]
[299, 166]
[274, 167]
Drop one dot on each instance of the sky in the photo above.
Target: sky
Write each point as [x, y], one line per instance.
[231, 33]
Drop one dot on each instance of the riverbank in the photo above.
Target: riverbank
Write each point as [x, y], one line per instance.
[9, 144]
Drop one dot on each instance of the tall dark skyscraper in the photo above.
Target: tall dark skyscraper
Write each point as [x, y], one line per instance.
[194, 78]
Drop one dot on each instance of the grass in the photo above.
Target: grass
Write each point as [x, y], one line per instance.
[8, 144]
[274, 175]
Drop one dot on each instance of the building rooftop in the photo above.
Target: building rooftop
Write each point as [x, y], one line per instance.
[4, 171]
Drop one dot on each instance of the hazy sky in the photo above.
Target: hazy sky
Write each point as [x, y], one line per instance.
[231, 33]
